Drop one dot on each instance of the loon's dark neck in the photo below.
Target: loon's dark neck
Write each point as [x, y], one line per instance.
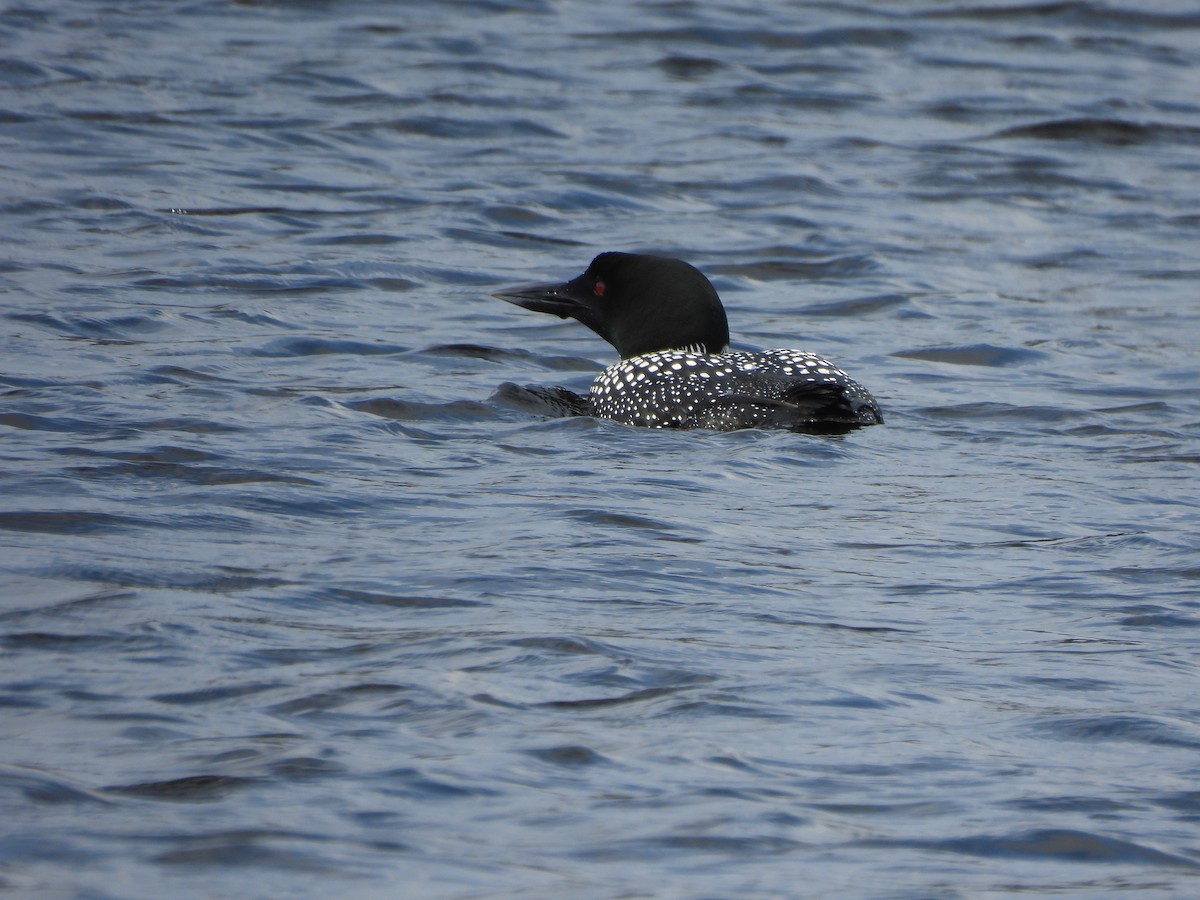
[638, 303]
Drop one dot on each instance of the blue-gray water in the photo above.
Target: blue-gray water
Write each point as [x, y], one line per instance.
[298, 600]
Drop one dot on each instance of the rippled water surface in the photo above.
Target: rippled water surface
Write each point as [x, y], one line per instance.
[304, 595]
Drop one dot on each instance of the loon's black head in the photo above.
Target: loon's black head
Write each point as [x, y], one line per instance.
[638, 303]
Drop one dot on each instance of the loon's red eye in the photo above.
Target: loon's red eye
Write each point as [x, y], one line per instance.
[598, 289]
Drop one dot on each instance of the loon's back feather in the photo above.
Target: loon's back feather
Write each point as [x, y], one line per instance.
[771, 389]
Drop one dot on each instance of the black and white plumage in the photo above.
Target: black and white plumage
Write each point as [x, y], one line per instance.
[667, 322]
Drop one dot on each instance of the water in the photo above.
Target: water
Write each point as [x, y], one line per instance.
[301, 600]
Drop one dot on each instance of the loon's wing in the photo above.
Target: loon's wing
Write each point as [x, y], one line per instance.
[822, 411]
[812, 389]
[809, 407]
[846, 402]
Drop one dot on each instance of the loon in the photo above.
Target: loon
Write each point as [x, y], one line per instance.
[676, 370]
